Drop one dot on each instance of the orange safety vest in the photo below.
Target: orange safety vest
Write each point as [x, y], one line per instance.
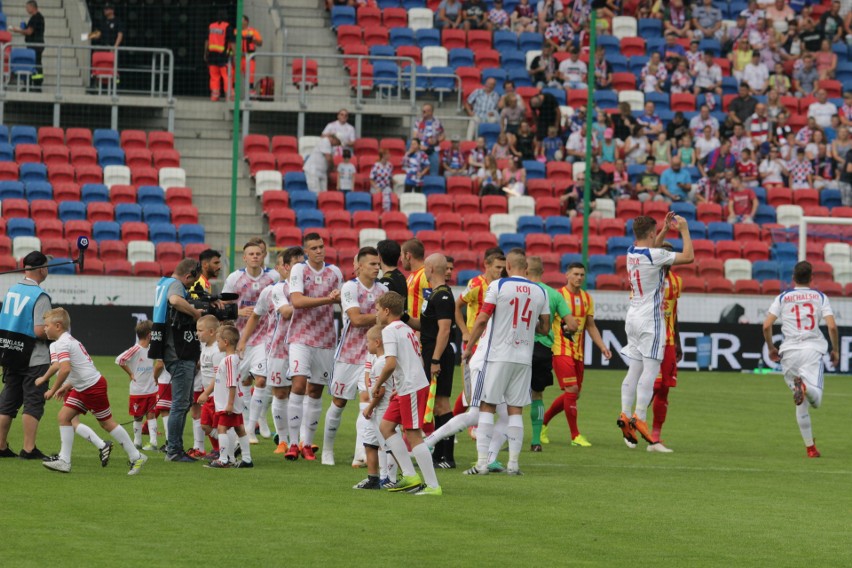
[248, 45]
[217, 37]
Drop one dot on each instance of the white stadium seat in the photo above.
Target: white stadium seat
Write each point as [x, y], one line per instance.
[268, 180]
[605, 208]
[172, 177]
[116, 175]
[624, 26]
[434, 56]
[420, 18]
[371, 237]
[789, 215]
[412, 203]
[22, 246]
[837, 253]
[140, 251]
[737, 269]
[636, 99]
[521, 205]
[306, 145]
[503, 223]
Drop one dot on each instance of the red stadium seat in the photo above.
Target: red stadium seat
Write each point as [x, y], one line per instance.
[281, 220]
[612, 227]
[459, 185]
[834, 89]
[822, 270]
[169, 252]
[289, 163]
[78, 137]
[554, 279]
[577, 97]
[609, 282]
[747, 287]
[655, 209]
[56, 155]
[468, 260]
[476, 222]
[137, 157]
[494, 205]
[806, 197]
[118, 268]
[537, 244]
[56, 247]
[285, 144]
[66, 191]
[16, 208]
[456, 240]
[755, 250]
[577, 226]
[829, 287]
[538, 188]
[632, 46]
[331, 201]
[194, 250]
[805, 102]
[50, 136]
[276, 199]
[184, 214]
[776, 196]
[726, 250]
[466, 204]
[255, 143]
[452, 39]
[624, 81]
[548, 207]
[308, 74]
[480, 40]
[396, 146]
[597, 245]
[133, 139]
[486, 58]
[122, 194]
[628, 208]
[376, 36]
[349, 35]
[91, 174]
[113, 250]
[83, 156]
[470, 77]
[260, 161]
[337, 219]
[481, 240]
[395, 17]
[711, 268]
[9, 171]
[411, 51]
[448, 222]
[694, 284]
[166, 159]
[365, 220]
[147, 268]
[684, 102]
[25, 153]
[399, 235]
[816, 211]
[438, 204]
[134, 231]
[93, 267]
[100, 212]
[564, 244]
[369, 16]
[177, 196]
[43, 209]
[432, 240]
[746, 232]
[345, 239]
[394, 221]
[703, 249]
[160, 140]
[6, 246]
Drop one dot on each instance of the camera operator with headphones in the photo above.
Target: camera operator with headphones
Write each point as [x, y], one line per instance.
[173, 340]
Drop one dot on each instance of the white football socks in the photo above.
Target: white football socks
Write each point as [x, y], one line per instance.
[312, 417]
[255, 408]
[245, 447]
[152, 431]
[332, 423]
[498, 436]
[295, 409]
[225, 448]
[628, 386]
[484, 432]
[122, 437]
[455, 425]
[279, 417]
[137, 432]
[89, 435]
[166, 428]
[645, 388]
[515, 431]
[804, 418]
[397, 447]
[421, 453]
[360, 424]
[66, 435]
[197, 435]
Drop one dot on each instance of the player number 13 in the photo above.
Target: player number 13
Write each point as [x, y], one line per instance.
[809, 320]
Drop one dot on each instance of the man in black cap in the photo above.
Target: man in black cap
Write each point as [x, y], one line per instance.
[110, 32]
[24, 355]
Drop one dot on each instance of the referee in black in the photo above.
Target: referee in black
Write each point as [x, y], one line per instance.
[435, 322]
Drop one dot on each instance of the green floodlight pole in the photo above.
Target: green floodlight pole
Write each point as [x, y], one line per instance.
[235, 151]
[590, 108]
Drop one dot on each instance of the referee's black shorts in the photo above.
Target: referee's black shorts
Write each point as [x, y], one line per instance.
[542, 367]
[444, 385]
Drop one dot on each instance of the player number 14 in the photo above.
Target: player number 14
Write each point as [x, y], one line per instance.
[525, 315]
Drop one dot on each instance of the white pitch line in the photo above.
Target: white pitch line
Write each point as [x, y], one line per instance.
[687, 468]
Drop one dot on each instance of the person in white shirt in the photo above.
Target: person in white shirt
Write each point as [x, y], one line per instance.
[706, 143]
[88, 393]
[143, 387]
[647, 265]
[346, 171]
[822, 110]
[573, 71]
[756, 75]
[803, 346]
[320, 162]
[708, 76]
[514, 310]
[341, 128]
[772, 169]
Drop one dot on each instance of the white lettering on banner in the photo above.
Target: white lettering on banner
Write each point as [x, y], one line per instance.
[729, 352]
[689, 348]
[18, 307]
[611, 342]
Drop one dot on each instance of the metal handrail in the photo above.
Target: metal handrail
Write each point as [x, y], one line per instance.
[162, 67]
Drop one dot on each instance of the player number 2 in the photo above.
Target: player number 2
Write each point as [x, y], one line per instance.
[809, 320]
[525, 315]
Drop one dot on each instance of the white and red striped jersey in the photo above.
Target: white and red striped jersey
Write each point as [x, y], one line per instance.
[265, 311]
[276, 347]
[800, 311]
[228, 377]
[515, 305]
[248, 287]
[353, 340]
[314, 327]
[83, 372]
[647, 275]
[209, 362]
[373, 368]
[136, 359]
[401, 342]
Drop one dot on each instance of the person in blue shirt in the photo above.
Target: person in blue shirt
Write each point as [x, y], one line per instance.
[676, 183]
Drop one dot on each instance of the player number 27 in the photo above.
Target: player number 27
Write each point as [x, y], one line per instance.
[525, 314]
[809, 320]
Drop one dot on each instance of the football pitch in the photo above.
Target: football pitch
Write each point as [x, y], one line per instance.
[737, 491]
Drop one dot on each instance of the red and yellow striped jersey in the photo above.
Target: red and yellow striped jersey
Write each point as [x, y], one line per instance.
[674, 283]
[473, 296]
[581, 306]
[417, 284]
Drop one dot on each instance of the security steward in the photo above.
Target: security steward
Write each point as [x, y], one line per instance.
[24, 356]
[251, 41]
[217, 54]
[34, 38]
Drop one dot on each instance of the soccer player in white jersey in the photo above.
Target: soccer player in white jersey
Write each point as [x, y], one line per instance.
[143, 387]
[407, 406]
[208, 362]
[314, 289]
[803, 346]
[88, 392]
[249, 282]
[647, 265]
[358, 304]
[513, 311]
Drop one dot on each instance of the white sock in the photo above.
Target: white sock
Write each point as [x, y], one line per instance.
[628, 386]
[245, 446]
[295, 409]
[814, 396]
[66, 435]
[400, 453]
[123, 438]
[455, 425]
[383, 464]
[225, 448]
[166, 428]
[804, 419]
[255, 408]
[89, 435]
[265, 403]
[234, 442]
[312, 417]
[137, 432]
[484, 431]
[197, 434]
[424, 459]
[393, 469]
[645, 388]
[332, 423]
[152, 431]
[515, 431]
[360, 425]
[303, 431]
[498, 436]
[279, 417]
[214, 434]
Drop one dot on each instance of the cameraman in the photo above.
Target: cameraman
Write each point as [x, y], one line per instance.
[175, 342]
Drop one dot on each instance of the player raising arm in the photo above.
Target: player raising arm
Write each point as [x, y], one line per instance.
[803, 346]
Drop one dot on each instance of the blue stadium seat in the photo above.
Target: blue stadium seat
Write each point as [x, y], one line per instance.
[520, 77]
[295, 181]
[38, 190]
[784, 252]
[730, 86]
[94, 193]
[62, 268]
[400, 37]
[310, 219]
[342, 16]
[711, 45]
[23, 135]
[733, 8]
[72, 211]
[386, 75]
[421, 222]
[508, 241]
[634, 171]
[162, 233]
[382, 4]
[464, 276]
[618, 63]
[760, 193]
[4, 133]
[591, 279]
[32, 171]
[20, 227]
[105, 138]
[11, 190]
[601, 264]
[460, 57]
[191, 234]
[429, 37]
[530, 41]
[720, 231]
[787, 270]
[7, 152]
[569, 258]
[637, 63]
[660, 100]
[535, 169]
[829, 198]
[528, 224]
[649, 28]
[156, 214]
[504, 39]
[358, 202]
[557, 226]
[490, 131]
[765, 270]
[561, 96]
[605, 99]
[764, 214]
[421, 78]
[128, 213]
[382, 51]
[512, 59]
[442, 79]
[433, 185]
[409, 4]
[105, 230]
[677, 244]
[697, 229]
[150, 195]
[303, 200]
[611, 44]
[496, 73]
[684, 209]
[109, 156]
[618, 245]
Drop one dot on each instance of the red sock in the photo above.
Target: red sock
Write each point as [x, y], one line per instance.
[554, 409]
[570, 405]
[661, 407]
[428, 428]
[145, 428]
[459, 407]
[214, 442]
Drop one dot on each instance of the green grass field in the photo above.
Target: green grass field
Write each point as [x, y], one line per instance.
[738, 491]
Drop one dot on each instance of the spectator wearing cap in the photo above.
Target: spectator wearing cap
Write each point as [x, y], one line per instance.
[822, 109]
[111, 31]
[707, 21]
[25, 356]
[453, 159]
